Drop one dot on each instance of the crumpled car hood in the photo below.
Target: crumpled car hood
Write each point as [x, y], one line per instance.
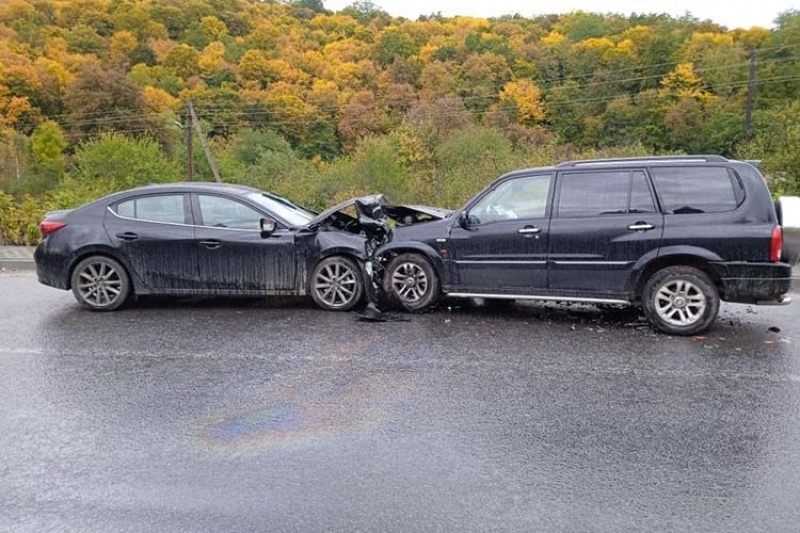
[375, 210]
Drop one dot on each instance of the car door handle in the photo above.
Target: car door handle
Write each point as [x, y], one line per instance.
[529, 230]
[211, 244]
[641, 226]
[127, 236]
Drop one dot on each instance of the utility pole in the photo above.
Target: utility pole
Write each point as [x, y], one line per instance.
[189, 142]
[751, 92]
[16, 156]
[206, 149]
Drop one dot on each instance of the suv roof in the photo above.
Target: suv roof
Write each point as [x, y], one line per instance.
[671, 159]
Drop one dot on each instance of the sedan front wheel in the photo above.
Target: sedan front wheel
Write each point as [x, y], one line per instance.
[336, 284]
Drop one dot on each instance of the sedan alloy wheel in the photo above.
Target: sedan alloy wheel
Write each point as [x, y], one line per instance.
[100, 283]
[336, 284]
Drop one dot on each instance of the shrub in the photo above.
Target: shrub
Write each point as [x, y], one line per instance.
[114, 162]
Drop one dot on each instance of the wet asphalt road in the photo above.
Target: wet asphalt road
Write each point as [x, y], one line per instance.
[221, 416]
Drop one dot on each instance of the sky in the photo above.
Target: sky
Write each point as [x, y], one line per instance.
[732, 13]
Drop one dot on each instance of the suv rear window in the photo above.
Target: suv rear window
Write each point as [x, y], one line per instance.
[589, 194]
[686, 190]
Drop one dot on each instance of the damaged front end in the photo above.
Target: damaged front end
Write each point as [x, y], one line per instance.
[374, 218]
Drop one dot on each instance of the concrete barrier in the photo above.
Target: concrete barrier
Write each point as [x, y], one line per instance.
[16, 258]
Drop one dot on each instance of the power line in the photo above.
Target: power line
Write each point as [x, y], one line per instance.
[738, 83]
[210, 110]
[122, 116]
[467, 112]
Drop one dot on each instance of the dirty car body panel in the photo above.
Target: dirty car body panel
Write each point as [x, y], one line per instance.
[206, 239]
[553, 243]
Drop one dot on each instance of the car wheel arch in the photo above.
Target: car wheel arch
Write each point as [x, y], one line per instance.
[347, 253]
[703, 263]
[388, 252]
[83, 253]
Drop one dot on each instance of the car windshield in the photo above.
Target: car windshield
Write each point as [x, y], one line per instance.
[282, 208]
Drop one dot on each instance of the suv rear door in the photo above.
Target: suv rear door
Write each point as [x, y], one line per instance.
[701, 206]
[604, 221]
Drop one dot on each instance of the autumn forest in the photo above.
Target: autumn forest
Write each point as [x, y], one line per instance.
[320, 105]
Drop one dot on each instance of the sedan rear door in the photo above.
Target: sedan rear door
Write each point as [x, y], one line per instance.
[154, 234]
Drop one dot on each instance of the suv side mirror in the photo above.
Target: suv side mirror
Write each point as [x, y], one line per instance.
[463, 219]
[267, 227]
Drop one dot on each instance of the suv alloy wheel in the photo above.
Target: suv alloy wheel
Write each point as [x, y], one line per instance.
[412, 280]
[680, 300]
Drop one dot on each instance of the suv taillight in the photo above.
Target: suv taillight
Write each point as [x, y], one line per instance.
[48, 226]
[776, 244]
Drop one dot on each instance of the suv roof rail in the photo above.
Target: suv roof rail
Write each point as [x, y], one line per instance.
[650, 159]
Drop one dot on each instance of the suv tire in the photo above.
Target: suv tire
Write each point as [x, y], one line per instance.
[680, 300]
[411, 279]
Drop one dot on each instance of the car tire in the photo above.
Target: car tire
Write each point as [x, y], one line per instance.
[100, 283]
[336, 284]
[411, 279]
[681, 300]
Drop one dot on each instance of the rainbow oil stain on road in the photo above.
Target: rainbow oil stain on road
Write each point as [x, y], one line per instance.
[301, 410]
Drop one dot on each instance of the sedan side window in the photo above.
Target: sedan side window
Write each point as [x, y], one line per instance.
[515, 199]
[219, 212]
[158, 208]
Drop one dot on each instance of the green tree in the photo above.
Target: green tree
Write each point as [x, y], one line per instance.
[47, 148]
[115, 162]
[777, 143]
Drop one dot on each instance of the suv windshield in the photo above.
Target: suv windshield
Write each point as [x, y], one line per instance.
[290, 212]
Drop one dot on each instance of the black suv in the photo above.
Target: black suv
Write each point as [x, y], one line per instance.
[674, 235]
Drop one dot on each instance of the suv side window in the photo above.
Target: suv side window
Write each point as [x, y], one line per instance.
[686, 190]
[158, 208]
[641, 197]
[518, 198]
[588, 194]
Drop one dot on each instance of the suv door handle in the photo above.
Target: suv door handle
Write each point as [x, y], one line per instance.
[211, 244]
[127, 236]
[641, 226]
[529, 230]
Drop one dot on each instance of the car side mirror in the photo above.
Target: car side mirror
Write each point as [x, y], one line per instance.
[463, 219]
[267, 227]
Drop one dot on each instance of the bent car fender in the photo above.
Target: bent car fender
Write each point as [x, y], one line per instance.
[418, 247]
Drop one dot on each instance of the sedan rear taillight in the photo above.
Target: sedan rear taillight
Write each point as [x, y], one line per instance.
[776, 244]
[49, 226]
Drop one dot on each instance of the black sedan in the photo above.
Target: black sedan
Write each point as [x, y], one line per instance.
[219, 239]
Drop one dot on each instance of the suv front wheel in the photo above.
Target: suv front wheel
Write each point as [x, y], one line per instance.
[412, 280]
[680, 300]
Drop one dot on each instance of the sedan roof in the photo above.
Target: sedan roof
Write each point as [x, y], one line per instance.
[194, 186]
